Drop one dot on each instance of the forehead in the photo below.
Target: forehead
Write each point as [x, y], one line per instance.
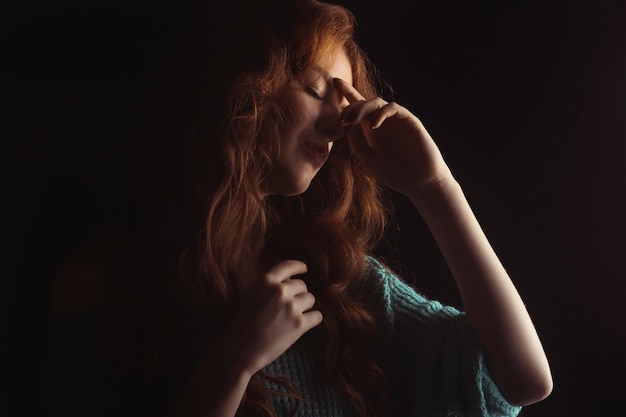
[336, 65]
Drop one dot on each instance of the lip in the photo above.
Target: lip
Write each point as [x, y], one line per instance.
[317, 151]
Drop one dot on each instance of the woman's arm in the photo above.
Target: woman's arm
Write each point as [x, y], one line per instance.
[396, 148]
[514, 353]
[277, 311]
[215, 388]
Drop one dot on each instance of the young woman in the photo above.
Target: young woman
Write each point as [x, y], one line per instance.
[243, 281]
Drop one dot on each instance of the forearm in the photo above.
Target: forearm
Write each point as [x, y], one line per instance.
[514, 353]
[215, 388]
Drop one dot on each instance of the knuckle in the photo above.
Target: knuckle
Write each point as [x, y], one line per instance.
[280, 292]
[300, 283]
[298, 322]
[277, 292]
[288, 262]
[290, 306]
[293, 262]
[268, 278]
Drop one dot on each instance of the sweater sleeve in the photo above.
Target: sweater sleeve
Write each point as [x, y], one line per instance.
[436, 364]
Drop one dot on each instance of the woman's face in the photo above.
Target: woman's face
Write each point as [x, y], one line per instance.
[307, 140]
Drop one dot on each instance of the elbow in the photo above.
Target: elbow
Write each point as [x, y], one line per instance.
[539, 392]
[532, 391]
[547, 386]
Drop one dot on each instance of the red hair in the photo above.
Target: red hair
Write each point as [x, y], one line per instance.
[218, 140]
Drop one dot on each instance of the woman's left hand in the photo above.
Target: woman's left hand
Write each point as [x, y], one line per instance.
[391, 142]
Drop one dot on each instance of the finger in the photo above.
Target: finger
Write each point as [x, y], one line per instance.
[358, 112]
[311, 319]
[304, 301]
[347, 90]
[295, 287]
[377, 117]
[284, 270]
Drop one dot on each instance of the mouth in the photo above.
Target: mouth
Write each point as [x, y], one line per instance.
[317, 151]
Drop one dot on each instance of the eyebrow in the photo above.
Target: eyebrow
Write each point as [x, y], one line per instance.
[322, 71]
[326, 75]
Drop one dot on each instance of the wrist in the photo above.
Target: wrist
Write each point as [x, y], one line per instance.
[433, 192]
[216, 386]
[223, 357]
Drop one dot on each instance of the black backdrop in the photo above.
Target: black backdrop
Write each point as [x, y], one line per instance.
[527, 101]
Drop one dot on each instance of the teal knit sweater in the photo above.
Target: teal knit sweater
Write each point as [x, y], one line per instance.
[434, 362]
[434, 366]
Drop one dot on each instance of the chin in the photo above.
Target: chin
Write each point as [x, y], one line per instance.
[293, 189]
[289, 182]
[297, 190]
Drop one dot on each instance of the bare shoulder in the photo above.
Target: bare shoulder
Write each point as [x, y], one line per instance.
[84, 280]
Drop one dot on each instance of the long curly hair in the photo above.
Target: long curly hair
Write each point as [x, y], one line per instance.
[217, 123]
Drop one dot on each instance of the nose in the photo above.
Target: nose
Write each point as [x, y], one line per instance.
[332, 129]
[329, 122]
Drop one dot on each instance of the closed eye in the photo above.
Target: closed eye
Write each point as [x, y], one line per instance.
[314, 93]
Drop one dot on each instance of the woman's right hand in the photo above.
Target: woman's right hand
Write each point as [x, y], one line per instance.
[275, 312]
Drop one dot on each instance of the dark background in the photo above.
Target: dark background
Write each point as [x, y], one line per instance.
[527, 101]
